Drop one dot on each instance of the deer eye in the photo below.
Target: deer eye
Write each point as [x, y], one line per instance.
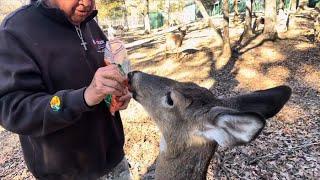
[168, 99]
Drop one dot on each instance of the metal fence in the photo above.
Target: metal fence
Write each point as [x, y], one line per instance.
[138, 21]
[190, 13]
[258, 6]
[133, 22]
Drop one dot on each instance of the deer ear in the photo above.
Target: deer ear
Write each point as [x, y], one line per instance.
[230, 128]
[265, 102]
[179, 99]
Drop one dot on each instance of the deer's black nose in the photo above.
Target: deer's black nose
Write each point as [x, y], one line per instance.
[130, 76]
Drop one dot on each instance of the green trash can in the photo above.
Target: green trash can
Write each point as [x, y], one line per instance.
[314, 3]
[156, 20]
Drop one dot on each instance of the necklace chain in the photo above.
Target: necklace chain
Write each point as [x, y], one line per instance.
[83, 43]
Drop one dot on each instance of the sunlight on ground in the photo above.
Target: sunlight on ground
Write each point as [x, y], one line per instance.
[201, 62]
[293, 33]
[304, 46]
[265, 55]
[270, 54]
[279, 74]
[250, 72]
[142, 138]
[200, 39]
[221, 62]
[290, 113]
[256, 80]
[168, 67]
[134, 113]
[138, 55]
[311, 76]
[207, 83]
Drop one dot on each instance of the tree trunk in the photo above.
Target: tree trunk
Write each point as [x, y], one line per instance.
[226, 53]
[204, 13]
[282, 18]
[248, 18]
[293, 5]
[167, 7]
[147, 26]
[270, 17]
[281, 4]
[207, 17]
[269, 31]
[247, 30]
[236, 10]
[202, 9]
[317, 29]
[303, 4]
[126, 24]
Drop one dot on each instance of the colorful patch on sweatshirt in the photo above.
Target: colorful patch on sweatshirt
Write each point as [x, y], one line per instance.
[55, 103]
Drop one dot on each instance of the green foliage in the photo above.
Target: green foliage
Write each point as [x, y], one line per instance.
[258, 5]
[314, 3]
[110, 8]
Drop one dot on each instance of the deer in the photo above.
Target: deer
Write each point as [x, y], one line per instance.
[174, 40]
[194, 123]
[257, 22]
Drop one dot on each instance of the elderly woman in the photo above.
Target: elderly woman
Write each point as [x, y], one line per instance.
[53, 81]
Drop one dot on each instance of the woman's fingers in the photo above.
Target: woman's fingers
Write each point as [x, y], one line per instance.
[107, 80]
[112, 72]
[113, 91]
[113, 84]
[126, 99]
[110, 76]
[125, 105]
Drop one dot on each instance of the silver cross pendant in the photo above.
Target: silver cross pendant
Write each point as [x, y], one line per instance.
[84, 44]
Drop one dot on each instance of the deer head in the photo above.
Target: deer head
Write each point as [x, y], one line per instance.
[193, 122]
[183, 31]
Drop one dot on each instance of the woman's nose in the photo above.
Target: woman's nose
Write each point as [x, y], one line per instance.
[86, 2]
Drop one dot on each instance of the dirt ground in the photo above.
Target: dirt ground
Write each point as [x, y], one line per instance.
[289, 146]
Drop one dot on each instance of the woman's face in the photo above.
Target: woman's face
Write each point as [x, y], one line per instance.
[76, 10]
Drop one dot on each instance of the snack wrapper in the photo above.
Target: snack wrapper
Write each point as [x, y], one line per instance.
[116, 53]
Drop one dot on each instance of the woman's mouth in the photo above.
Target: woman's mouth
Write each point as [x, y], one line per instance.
[82, 13]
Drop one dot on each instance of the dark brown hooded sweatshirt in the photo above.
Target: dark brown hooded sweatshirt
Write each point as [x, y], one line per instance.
[41, 57]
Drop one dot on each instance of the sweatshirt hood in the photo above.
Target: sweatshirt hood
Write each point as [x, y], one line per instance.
[59, 16]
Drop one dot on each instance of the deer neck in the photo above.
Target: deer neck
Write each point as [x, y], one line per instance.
[185, 163]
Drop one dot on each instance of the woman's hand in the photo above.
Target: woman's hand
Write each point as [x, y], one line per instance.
[125, 99]
[107, 80]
